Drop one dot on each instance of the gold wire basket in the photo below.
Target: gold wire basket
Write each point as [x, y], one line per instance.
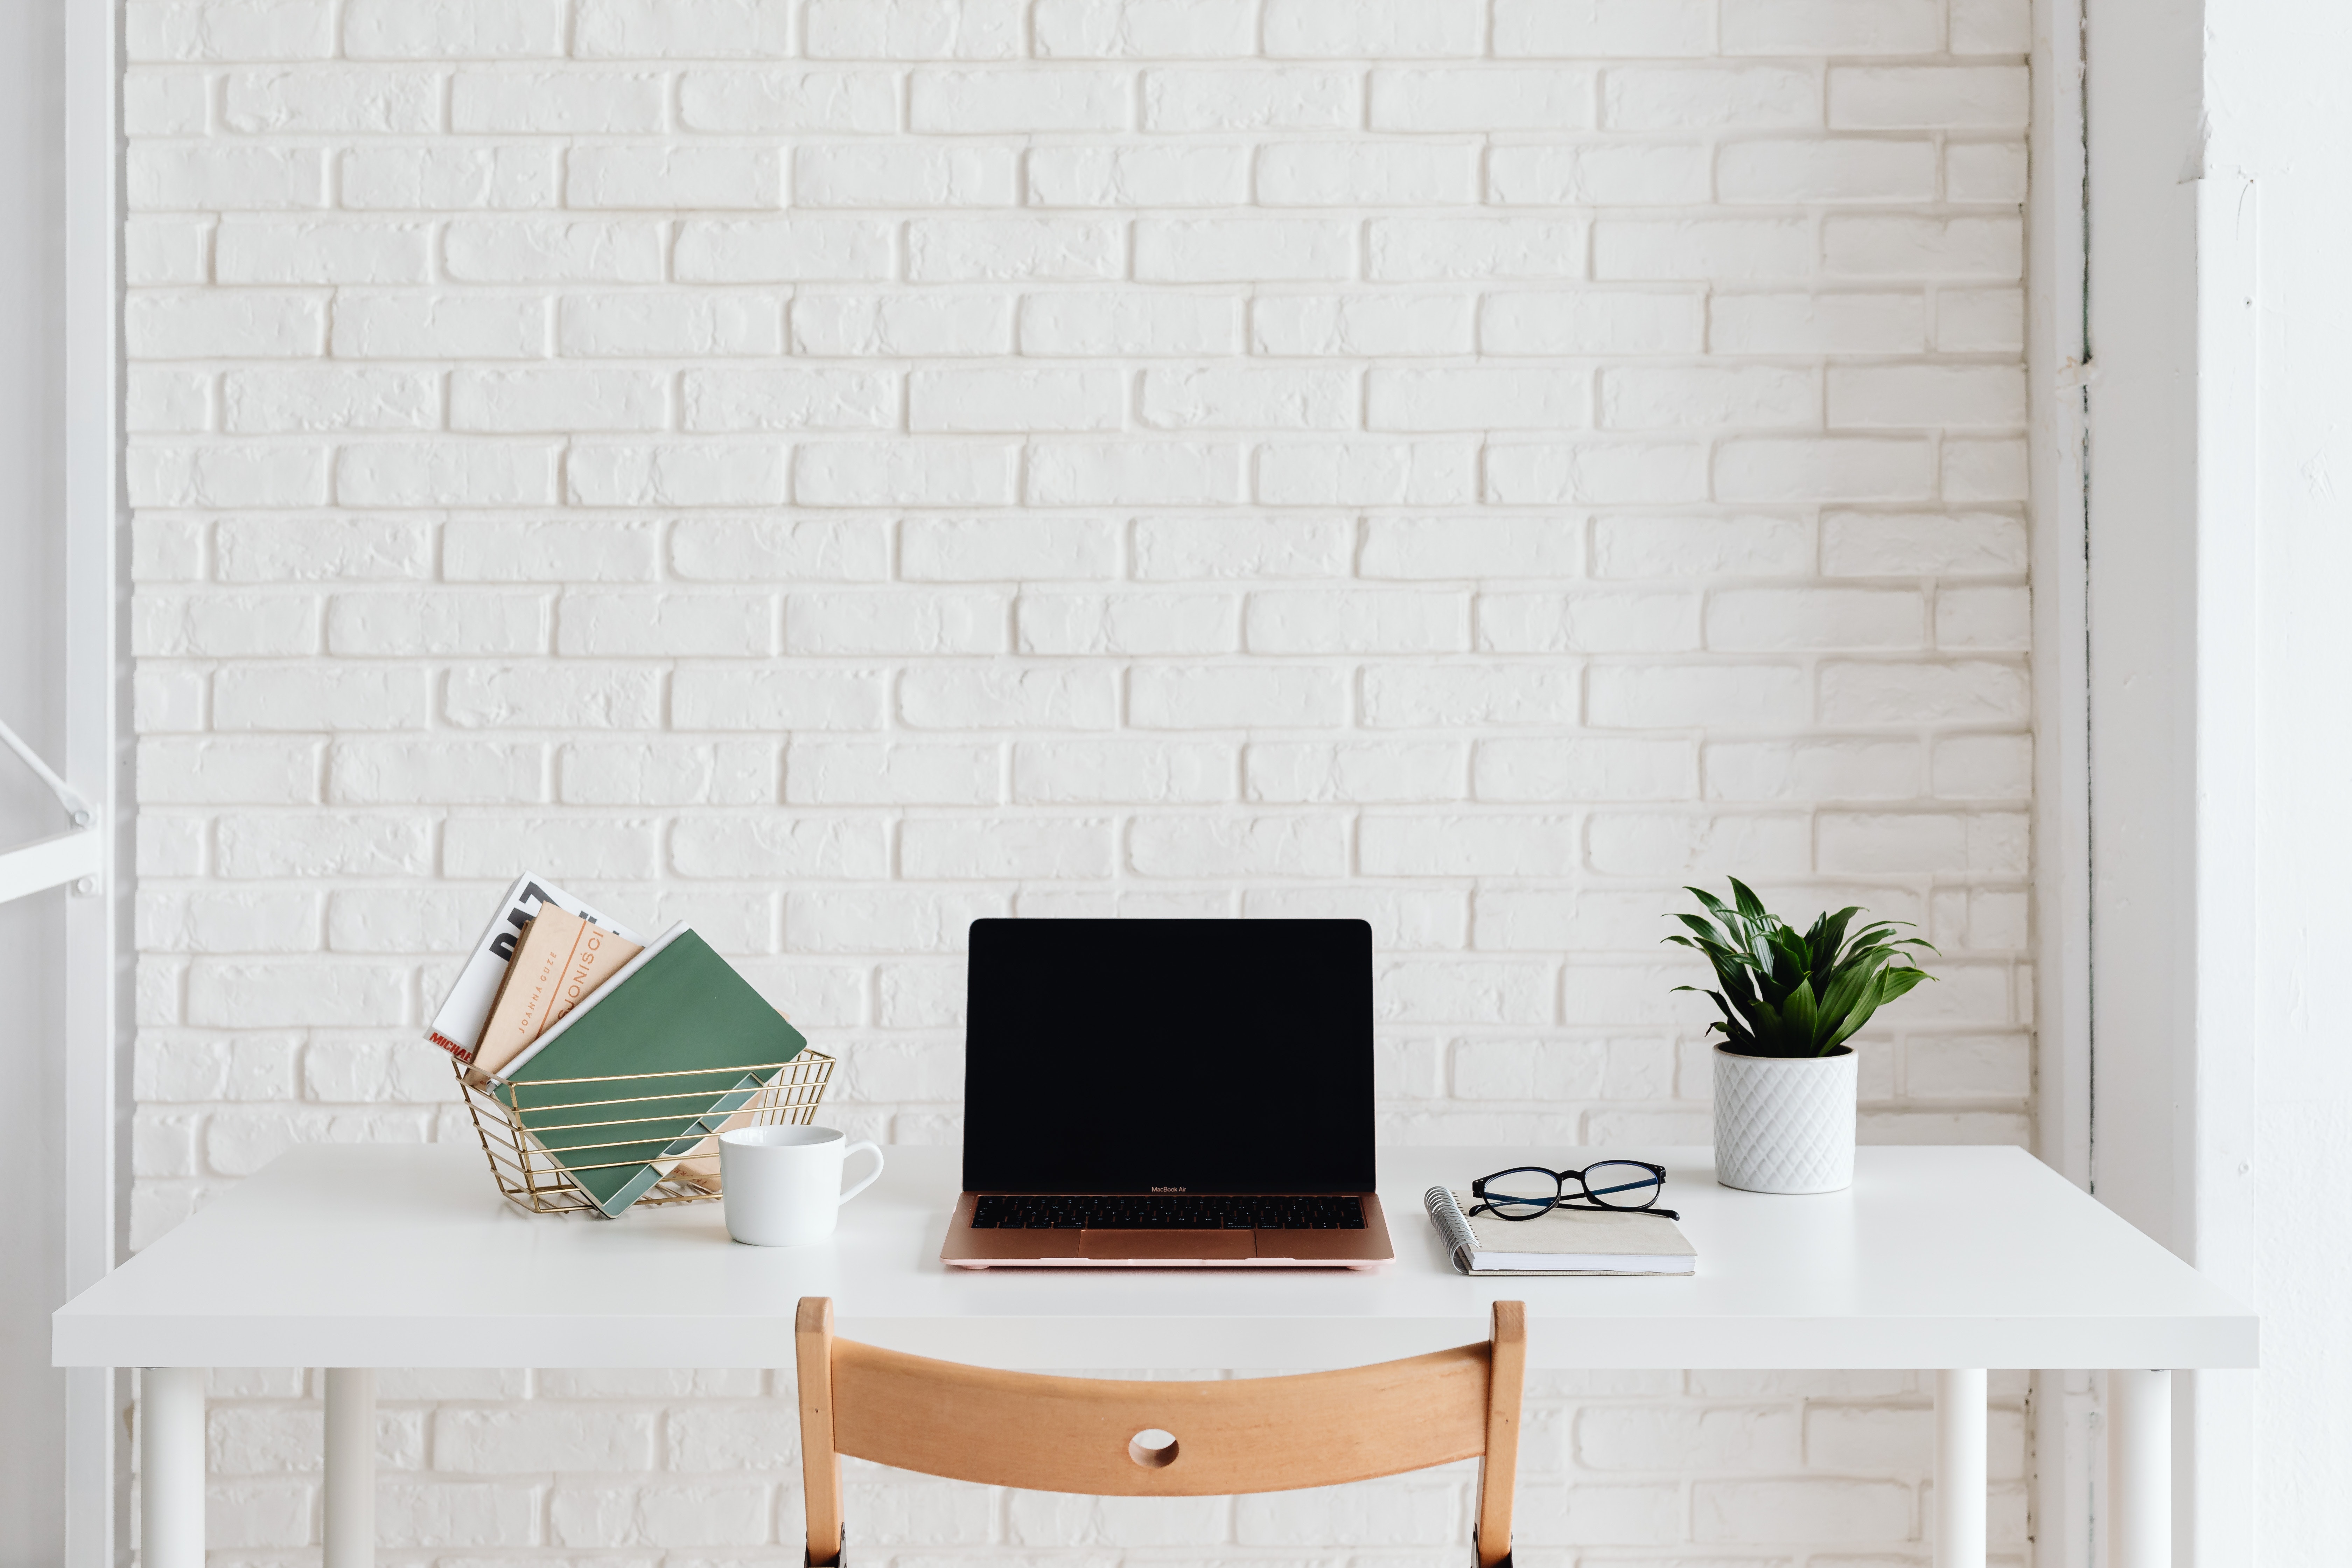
[535, 1181]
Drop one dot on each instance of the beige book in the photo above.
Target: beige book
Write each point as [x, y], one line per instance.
[596, 955]
[558, 960]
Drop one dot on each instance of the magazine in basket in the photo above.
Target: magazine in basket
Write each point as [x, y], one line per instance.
[456, 1026]
[647, 1067]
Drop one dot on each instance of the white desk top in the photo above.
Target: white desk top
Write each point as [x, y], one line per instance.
[407, 1256]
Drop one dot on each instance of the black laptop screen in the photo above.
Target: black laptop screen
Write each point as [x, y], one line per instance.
[1142, 1056]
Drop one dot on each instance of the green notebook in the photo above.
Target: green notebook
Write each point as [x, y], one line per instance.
[682, 1041]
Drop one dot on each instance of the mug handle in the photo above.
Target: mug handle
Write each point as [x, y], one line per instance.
[870, 1180]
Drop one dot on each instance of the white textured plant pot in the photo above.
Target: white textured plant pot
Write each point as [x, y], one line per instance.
[1784, 1124]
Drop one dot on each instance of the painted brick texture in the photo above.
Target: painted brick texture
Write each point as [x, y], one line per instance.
[834, 470]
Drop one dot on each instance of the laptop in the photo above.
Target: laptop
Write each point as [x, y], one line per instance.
[1163, 1094]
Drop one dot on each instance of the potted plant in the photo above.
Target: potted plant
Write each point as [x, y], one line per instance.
[1784, 1076]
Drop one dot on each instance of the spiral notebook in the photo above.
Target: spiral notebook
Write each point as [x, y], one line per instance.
[1567, 1241]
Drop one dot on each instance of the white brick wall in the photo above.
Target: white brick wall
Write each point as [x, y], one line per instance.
[836, 469]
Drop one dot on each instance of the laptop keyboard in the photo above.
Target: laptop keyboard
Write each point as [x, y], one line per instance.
[1057, 1211]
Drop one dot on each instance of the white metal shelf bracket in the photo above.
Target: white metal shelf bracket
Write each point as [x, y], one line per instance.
[70, 856]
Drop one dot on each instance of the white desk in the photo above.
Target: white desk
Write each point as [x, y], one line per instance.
[1957, 1259]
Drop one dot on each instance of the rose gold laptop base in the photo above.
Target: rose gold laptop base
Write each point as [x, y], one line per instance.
[967, 1247]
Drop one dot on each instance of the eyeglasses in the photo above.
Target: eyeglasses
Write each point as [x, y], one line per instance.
[1525, 1191]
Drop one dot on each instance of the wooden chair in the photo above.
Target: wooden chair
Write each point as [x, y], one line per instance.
[1086, 1435]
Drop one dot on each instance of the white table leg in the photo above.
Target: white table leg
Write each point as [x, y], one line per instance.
[172, 1467]
[350, 1467]
[2139, 1469]
[1956, 1533]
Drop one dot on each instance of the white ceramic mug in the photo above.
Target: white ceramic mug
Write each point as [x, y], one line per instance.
[782, 1185]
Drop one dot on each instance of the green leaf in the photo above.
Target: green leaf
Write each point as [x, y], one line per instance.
[1791, 966]
[1726, 964]
[1851, 986]
[1732, 1026]
[1704, 928]
[1804, 1016]
[1714, 906]
[1896, 982]
[1854, 1021]
[1828, 936]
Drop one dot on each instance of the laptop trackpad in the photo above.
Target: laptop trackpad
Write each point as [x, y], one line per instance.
[1175, 1244]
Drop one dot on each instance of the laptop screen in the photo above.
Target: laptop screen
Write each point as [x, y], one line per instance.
[1203, 1056]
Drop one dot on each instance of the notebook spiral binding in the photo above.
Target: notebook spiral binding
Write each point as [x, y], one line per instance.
[534, 1181]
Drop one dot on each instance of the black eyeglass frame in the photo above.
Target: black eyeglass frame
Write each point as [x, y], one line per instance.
[1587, 1196]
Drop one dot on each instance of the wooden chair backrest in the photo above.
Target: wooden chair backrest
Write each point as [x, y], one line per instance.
[1076, 1434]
